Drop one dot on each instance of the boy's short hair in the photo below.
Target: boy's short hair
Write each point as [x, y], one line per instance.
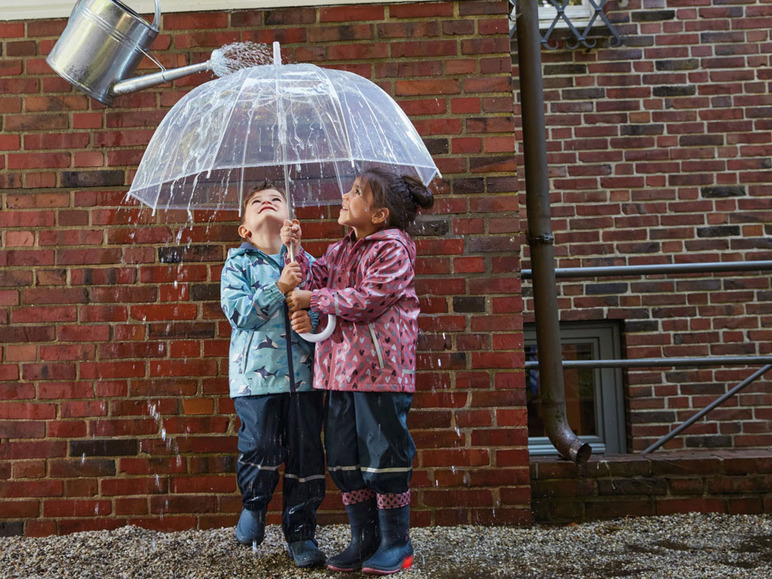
[261, 186]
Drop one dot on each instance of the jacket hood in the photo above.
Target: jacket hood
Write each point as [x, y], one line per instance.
[247, 247]
[391, 233]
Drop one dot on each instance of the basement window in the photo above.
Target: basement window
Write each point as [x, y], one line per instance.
[594, 396]
[578, 12]
[571, 24]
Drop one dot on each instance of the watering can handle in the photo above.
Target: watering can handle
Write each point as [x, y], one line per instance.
[157, 20]
[324, 334]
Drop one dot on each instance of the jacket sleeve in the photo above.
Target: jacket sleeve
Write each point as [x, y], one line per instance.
[247, 307]
[314, 270]
[387, 279]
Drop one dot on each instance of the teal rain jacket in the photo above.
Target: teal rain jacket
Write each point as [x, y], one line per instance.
[260, 359]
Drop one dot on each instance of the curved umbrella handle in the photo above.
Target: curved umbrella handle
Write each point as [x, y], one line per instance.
[324, 334]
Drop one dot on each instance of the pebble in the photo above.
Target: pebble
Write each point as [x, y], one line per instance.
[689, 546]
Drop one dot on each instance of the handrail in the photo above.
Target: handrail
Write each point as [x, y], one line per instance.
[655, 269]
[661, 362]
[720, 400]
[659, 269]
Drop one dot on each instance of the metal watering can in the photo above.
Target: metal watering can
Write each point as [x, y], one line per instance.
[103, 44]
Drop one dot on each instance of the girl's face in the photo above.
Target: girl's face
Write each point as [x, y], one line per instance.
[357, 210]
[266, 207]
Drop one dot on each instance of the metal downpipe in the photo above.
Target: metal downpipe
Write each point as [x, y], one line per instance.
[540, 238]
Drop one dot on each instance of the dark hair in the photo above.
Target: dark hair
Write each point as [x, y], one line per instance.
[402, 196]
[261, 186]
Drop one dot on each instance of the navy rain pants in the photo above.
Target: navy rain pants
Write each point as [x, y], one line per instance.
[283, 429]
[367, 441]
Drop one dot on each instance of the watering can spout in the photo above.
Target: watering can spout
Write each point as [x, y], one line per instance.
[149, 80]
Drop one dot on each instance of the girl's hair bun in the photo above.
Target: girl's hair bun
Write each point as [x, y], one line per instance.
[401, 195]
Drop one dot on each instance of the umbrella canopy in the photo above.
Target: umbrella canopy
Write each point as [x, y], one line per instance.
[307, 128]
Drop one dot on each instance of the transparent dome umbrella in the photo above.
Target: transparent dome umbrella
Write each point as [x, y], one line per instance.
[308, 129]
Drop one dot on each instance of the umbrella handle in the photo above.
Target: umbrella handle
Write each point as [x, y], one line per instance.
[323, 335]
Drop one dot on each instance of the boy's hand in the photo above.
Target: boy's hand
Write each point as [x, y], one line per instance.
[301, 321]
[291, 234]
[299, 300]
[290, 278]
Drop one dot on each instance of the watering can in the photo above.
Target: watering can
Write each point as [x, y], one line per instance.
[103, 44]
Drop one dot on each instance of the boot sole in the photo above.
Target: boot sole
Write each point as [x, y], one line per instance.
[343, 569]
[407, 562]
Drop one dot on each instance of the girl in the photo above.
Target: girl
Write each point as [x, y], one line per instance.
[368, 364]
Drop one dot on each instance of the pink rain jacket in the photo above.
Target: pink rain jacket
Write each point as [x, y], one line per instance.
[369, 284]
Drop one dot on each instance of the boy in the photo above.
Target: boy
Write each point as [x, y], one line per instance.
[270, 379]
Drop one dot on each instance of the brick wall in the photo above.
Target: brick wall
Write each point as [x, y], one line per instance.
[114, 405]
[732, 482]
[659, 152]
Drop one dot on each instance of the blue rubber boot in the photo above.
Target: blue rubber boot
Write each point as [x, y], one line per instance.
[306, 553]
[365, 537]
[251, 527]
[396, 551]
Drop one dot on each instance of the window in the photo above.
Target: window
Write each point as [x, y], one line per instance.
[572, 24]
[577, 11]
[594, 396]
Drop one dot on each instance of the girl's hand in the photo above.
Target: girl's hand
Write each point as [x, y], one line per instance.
[291, 234]
[299, 300]
[301, 321]
[290, 277]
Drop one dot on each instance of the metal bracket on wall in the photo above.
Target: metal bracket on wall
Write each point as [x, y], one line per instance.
[581, 38]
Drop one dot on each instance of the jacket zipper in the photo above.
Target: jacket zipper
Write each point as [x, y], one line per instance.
[377, 346]
[290, 362]
[252, 333]
[246, 352]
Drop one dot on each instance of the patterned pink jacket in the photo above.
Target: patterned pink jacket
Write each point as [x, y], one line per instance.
[369, 284]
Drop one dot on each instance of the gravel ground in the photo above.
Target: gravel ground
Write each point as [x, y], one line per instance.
[691, 546]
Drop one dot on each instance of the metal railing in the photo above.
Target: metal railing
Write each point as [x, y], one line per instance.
[654, 269]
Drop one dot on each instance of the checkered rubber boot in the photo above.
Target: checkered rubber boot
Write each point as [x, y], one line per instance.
[395, 551]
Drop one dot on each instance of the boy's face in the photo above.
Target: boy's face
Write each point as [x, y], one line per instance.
[264, 208]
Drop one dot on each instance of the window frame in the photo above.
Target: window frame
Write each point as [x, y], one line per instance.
[605, 338]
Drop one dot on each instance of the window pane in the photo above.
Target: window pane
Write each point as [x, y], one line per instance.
[579, 384]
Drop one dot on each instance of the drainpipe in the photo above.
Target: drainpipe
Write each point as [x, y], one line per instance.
[540, 238]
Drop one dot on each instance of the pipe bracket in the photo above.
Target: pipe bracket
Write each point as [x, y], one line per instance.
[542, 239]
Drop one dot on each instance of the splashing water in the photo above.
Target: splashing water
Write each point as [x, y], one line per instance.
[232, 57]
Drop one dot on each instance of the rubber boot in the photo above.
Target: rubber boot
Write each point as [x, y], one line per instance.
[396, 551]
[306, 553]
[251, 527]
[363, 519]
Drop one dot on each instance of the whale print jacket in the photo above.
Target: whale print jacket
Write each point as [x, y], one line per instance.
[369, 284]
[261, 361]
